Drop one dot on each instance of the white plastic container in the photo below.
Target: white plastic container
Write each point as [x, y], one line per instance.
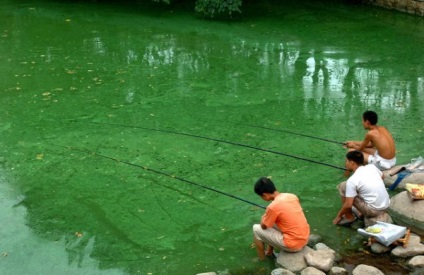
[388, 235]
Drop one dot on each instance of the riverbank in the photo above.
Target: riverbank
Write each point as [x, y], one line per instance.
[415, 7]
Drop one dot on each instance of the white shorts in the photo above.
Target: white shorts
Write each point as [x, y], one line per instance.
[381, 163]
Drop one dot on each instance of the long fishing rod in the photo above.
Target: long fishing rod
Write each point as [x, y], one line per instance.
[160, 173]
[224, 141]
[297, 134]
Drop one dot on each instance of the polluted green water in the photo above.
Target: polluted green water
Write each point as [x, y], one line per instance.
[88, 185]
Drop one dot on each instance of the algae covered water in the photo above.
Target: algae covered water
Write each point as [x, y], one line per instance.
[85, 87]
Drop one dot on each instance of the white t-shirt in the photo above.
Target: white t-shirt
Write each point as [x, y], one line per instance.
[367, 183]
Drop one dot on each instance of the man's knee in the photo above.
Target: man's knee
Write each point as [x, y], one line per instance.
[256, 229]
[342, 188]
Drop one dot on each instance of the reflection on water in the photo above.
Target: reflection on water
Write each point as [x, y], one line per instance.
[22, 251]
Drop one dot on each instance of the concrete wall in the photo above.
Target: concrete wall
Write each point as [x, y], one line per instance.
[409, 6]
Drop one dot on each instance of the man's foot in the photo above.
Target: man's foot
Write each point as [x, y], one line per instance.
[271, 255]
[346, 221]
[356, 212]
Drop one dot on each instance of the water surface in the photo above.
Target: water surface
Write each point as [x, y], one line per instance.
[71, 70]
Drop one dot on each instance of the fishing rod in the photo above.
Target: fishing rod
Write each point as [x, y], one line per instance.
[224, 141]
[160, 173]
[297, 134]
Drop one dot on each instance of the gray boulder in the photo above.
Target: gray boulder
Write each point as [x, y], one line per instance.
[322, 259]
[409, 251]
[384, 217]
[336, 270]
[366, 270]
[416, 177]
[311, 271]
[281, 271]
[295, 262]
[417, 261]
[379, 248]
[407, 212]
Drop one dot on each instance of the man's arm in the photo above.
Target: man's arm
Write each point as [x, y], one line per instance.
[367, 142]
[346, 208]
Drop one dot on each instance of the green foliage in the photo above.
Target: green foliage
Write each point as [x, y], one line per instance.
[211, 8]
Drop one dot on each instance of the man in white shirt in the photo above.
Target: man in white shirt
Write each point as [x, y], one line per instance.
[364, 190]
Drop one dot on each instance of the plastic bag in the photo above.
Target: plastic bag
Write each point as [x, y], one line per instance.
[415, 165]
[416, 191]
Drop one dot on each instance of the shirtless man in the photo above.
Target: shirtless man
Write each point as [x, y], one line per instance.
[378, 145]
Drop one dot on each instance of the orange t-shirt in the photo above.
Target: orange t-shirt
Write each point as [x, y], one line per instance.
[286, 212]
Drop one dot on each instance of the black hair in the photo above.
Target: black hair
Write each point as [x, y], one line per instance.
[371, 116]
[264, 185]
[356, 156]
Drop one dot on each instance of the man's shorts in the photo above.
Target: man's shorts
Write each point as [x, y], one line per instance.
[271, 236]
[381, 163]
[359, 203]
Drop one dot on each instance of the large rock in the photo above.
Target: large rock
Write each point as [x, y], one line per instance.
[281, 271]
[416, 177]
[311, 271]
[322, 259]
[383, 217]
[417, 261]
[407, 212]
[410, 250]
[366, 269]
[336, 270]
[294, 262]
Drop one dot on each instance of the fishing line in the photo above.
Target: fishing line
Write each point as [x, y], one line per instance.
[294, 133]
[224, 141]
[160, 173]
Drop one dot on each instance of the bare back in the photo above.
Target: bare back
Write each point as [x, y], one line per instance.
[382, 141]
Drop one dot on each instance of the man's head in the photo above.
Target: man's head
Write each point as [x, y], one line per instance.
[370, 116]
[264, 187]
[354, 159]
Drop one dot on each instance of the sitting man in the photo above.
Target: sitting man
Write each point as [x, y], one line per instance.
[283, 226]
[365, 190]
[378, 145]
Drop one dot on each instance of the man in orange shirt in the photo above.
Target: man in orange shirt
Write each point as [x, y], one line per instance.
[283, 226]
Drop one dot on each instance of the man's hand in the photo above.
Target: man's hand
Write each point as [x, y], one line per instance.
[336, 220]
[349, 144]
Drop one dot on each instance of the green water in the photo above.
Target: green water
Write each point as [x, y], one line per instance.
[70, 70]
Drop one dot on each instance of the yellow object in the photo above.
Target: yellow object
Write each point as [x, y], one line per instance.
[373, 229]
[416, 190]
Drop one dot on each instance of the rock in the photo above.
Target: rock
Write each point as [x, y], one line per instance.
[311, 271]
[281, 271]
[313, 240]
[335, 270]
[366, 269]
[322, 246]
[414, 239]
[381, 218]
[207, 273]
[412, 249]
[418, 271]
[407, 212]
[322, 259]
[409, 178]
[295, 262]
[417, 261]
[379, 248]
